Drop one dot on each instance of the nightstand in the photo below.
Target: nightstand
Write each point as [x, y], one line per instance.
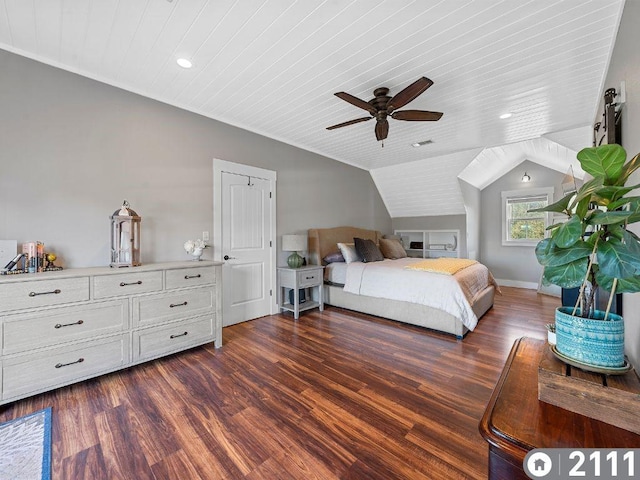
[310, 276]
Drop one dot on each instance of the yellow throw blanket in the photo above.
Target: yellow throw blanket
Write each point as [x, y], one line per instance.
[448, 266]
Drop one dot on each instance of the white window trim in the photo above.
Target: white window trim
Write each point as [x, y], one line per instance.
[533, 192]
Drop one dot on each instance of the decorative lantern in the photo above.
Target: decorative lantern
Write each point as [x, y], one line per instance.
[125, 237]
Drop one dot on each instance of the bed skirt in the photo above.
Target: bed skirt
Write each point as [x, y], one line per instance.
[412, 313]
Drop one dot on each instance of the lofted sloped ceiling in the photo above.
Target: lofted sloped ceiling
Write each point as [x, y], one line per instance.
[427, 188]
[272, 66]
[494, 162]
[424, 187]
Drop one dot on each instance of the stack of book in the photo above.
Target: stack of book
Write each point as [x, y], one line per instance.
[34, 252]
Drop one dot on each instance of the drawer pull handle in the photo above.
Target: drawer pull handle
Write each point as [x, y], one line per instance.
[139, 282]
[309, 278]
[60, 325]
[177, 304]
[179, 335]
[187, 277]
[60, 365]
[56, 291]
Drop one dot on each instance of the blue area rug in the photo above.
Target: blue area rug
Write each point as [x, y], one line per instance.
[25, 447]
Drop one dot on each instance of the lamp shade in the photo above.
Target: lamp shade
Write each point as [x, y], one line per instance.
[294, 243]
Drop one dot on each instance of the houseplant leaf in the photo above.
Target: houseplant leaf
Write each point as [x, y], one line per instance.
[583, 207]
[608, 218]
[634, 206]
[605, 161]
[548, 254]
[629, 167]
[559, 207]
[608, 194]
[619, 259]
[569, 275]
[621, 202]
[587, 190]
[568, 233]
[624, 285]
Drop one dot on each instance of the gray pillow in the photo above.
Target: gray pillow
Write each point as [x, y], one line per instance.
[368, 250]
[392, 249]
[333, 258]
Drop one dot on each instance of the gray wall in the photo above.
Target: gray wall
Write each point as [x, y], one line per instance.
[443, 222]
[71, 149]
[473, 206]
[625, 65]
[515, 264]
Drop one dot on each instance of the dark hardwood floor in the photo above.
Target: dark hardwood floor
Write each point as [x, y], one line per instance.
[334, 395]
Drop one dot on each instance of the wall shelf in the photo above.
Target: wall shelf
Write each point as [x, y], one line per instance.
[435, 243]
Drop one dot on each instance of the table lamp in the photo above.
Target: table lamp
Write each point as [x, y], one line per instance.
[295, 244]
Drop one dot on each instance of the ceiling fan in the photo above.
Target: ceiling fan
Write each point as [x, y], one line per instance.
[382, 106]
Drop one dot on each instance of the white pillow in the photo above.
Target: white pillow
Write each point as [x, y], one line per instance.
[349, 252]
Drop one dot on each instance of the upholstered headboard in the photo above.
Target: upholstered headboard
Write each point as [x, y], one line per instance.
[323, 241]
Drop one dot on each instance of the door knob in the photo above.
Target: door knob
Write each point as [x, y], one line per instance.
[227, 257]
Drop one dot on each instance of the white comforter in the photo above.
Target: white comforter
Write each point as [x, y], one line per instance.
[389, 279]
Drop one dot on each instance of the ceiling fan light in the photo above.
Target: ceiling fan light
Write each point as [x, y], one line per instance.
[382, 107]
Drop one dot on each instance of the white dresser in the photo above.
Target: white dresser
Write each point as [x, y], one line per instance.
[61, 327]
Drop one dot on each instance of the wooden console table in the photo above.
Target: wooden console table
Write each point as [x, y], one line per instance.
[515, 421]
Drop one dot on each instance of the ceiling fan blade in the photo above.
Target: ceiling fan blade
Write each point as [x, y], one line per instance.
[416, 116]
[382, 129]
[408, 94]
[350, 122]
[357, 102]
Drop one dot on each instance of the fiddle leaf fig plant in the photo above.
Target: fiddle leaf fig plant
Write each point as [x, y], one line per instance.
[593, 248]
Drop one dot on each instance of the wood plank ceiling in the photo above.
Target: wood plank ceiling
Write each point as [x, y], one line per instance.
[272, 66]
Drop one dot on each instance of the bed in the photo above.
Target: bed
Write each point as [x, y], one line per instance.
[340, 288]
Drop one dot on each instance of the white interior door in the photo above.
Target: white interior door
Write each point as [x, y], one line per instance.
[246, 243]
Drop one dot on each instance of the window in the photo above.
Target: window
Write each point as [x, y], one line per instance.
[519, 226]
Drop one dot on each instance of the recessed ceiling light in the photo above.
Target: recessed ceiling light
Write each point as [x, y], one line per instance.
[184, 63]
[505, 115]
[419, 144]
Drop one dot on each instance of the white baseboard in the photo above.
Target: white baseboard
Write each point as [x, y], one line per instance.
[552, 290]
[517, 283]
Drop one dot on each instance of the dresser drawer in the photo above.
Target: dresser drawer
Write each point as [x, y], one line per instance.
[43, 293]
[126, 284]
[161, 340]
[30, 331]
[309, 278]
[189, 277]
[149, 309]
[27, 374]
